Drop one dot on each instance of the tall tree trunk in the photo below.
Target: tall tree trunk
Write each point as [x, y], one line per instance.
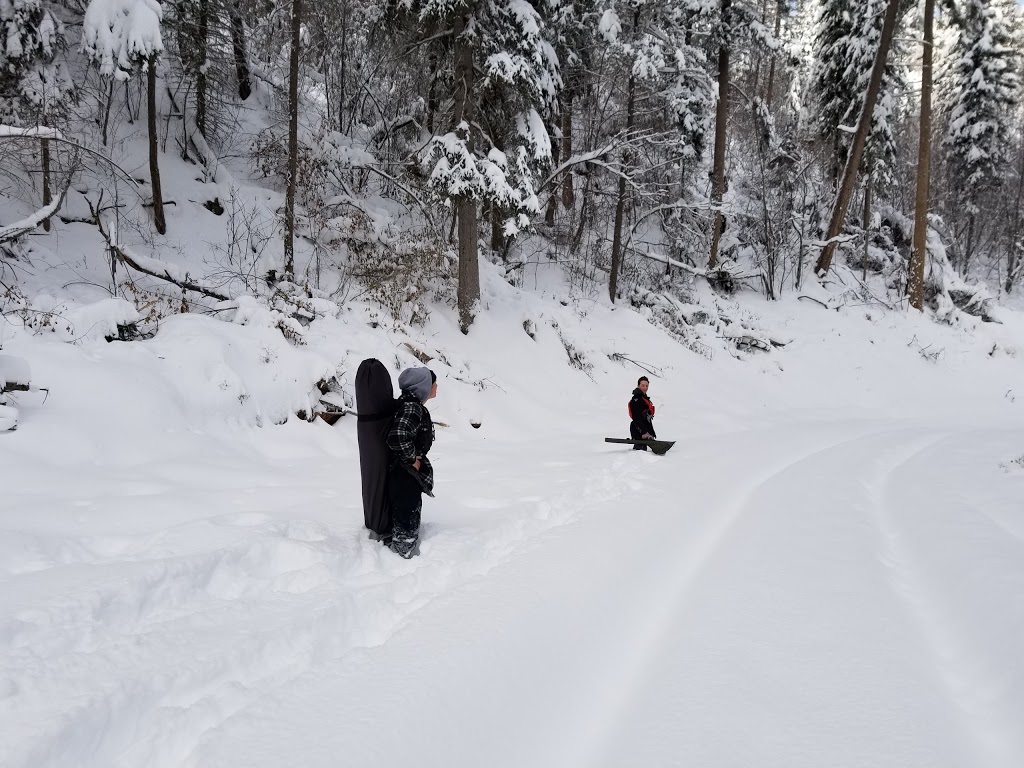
[1013, 256]
[432, 94]
[239, 52]
[965, 264]
[497, 229]
[128, 103]
[469, 265]
[800, 233]
[585, 209]
[754, 81]
[344, 68]
[568, 194]
[552, 206]
[332, 111]
[293, 141]
[1014, 270]
[154, 166]
[620, 202]
[551, 210]
[867, 223]
[44, 148]
[497, 214]
[721, 119]
[780, 9]
[919, 250]
[203, 36]
[842, 203]
[106, 109]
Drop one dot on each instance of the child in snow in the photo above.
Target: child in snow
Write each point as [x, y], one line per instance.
[641, 414]
[410, 438]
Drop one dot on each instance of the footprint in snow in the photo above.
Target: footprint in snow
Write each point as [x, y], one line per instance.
[242, 519]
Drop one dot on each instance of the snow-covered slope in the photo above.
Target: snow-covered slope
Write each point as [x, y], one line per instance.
[825, 570]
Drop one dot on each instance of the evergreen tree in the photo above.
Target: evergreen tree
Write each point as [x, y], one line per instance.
[982, 86]
[668, 74]
[33, 81]
[121, 37]
[505, 80]
[860, 137]
[846, 41]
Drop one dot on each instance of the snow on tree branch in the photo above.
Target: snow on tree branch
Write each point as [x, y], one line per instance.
[120, 34]
[36, 132]
[19, 228]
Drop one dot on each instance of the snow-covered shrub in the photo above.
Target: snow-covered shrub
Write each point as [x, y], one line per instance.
[34, 81]
[328, 163]
[577, 357]
[107, 319]
[43, 315]
[289, 308]
[679, 319]
[339, 209]
[888, 249]
[407, 274]
[239, 256]
[949, 294]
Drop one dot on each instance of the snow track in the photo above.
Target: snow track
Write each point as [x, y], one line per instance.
[950, 560]
[833, 596]
[157, 648]
[810, 626]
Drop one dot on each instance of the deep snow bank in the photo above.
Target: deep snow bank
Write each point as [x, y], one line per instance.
[166, 562]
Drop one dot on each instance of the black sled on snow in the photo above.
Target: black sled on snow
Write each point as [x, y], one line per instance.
[659, 447]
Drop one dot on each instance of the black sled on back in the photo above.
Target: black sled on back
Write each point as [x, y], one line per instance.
[375, 403]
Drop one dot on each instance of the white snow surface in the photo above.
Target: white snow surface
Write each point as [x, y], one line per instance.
[826, 570]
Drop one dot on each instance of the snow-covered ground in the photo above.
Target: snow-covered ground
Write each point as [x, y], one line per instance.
[826, 570]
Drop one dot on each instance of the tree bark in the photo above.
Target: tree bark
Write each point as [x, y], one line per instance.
[497, 229]
[203, 37]
[721, 119]
[106, 110]
[867, 223]
[44, 148]
[568, 193]
[1012, 256]
[620, 202]
[849, 182]
[969, 248]
[432, 94]
[754, 76]
[585, 207]
[780, 9]
[344, 68]
[469, 265]
[239, 51]
[919, 250]
[154, 166]
[552, 206]
[293, 140]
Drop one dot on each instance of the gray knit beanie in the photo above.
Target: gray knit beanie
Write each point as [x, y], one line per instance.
[417, 381]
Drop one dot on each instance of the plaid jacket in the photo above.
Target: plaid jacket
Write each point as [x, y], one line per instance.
[412, 435]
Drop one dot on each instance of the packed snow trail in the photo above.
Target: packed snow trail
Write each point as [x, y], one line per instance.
[835, 594]
[169, 633]
[795, 584]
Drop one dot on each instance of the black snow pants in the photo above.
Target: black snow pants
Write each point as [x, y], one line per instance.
[406, 497]
[636, 432]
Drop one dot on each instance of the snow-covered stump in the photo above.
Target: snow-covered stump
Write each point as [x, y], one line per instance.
[15, 376]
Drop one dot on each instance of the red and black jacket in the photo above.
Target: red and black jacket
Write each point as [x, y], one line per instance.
[641, 414]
